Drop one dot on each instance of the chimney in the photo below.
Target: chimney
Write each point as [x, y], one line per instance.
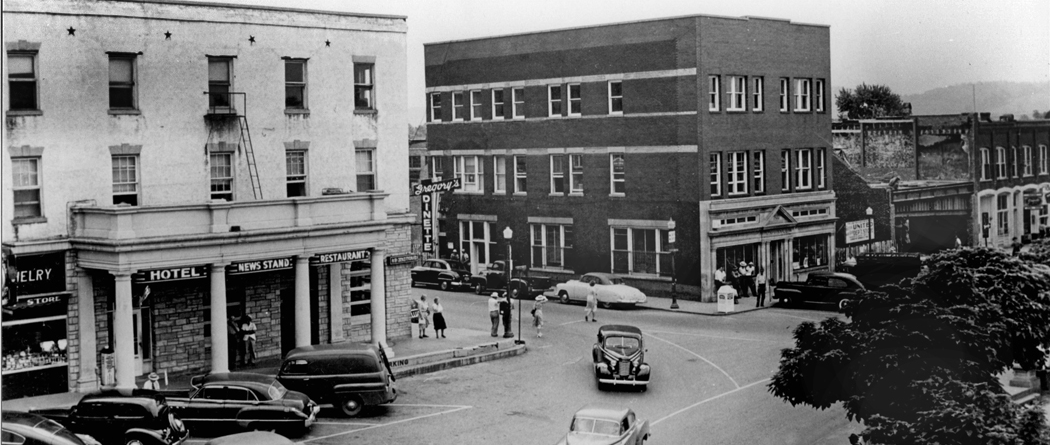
[1006, 118]
[985, 117]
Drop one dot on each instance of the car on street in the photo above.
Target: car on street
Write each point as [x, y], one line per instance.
[251, 438]
[611, 290]
[122, 416]
[349, 376]
[619, 357]
[820, 287]
[21, 428]
[606, 425]
[445, 274]
[494, 278]
[245, 400]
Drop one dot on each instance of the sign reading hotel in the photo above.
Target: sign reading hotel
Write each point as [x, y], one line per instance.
[857, 231]
[341, 257]
[260, 266]
[171, 274]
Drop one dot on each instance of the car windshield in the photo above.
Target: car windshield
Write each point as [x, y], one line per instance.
[595, 426]
[276, 390]
[622, 345]
[50, 426]
[456, 265]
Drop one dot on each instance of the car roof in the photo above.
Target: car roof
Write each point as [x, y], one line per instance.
[252, 438]
[336, 349]
[600, 411]
[126, 395]
[22, 418]
[250, 379]
[620, 329]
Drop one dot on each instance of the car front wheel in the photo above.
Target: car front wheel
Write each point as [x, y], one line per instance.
[563, 297]
[351, 406]
[842, 304]
[605, 304]
[444, 285]
[479, 289]
[134, 441]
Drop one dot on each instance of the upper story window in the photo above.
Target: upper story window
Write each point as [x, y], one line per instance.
[21, 81]
[557, 174]
[785, 94]
[475, 105]
[617, 176]
[737, 178]
[364, 86]
[295, 84]
[125, 180]
[1044, 162]
[499, 169]
[714, 92]
[550, 244]
[25, 181]
[554, 100]
[576, 174]
[737, 93]
[1017, 162]
[518, 105]
[757, 99]
[520, 175]
[437, 168]
[820, 167]
[220, 82]
[802, 95]
[435, 107]
[575, 100]
[615, 97]
[122, 82]
[715, 167]
[221, 168]
[497, 104]
[1000, 162]
[471, 171]
[295, 168]
[758, 171]
[986, 165]
[819, 91]
[785, 170]
[366, 168]
[457, 106]
[803, 169]
[1028, 165]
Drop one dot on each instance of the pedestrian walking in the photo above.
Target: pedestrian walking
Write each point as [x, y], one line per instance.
[439, 319]
[537, 315]
[506, 310]
[494, 313]
[592, 304]
[1016, 246]
[760, 280]
[153, 382]
[958, 242]
[248, 338]
[749, 278]
[233, 340]
[424, 316]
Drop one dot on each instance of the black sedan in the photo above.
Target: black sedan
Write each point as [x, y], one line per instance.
[29, 429]
[445, 274]
[245, 400]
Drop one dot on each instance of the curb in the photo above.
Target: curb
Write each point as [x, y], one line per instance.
[715, 314]
[479, 354]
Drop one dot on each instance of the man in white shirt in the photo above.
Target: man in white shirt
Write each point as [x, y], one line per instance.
[494, 313]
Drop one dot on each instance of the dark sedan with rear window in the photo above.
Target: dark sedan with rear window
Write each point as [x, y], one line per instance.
[246, 400]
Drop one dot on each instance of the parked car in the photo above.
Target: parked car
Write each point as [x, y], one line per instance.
[521, 283]
[21, 428]
[606, 425]
[127, 416]
[619, 357]
[349, 376]
[611, 290]
[879, 269]
[819, 287]
[446, 274]
[245, 400]
[251, 438]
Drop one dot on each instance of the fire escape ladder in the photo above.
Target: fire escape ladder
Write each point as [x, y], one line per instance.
[253, 170]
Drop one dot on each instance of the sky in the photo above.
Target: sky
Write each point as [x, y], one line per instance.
[909, 45]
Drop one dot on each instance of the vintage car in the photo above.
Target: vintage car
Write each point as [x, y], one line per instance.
[245, 400]
[446, 274]
[251, 438]
[127, 416]
[20, 428]
[619, 357]
[820, 287]
[349, 376]
[606, 425]
[611, 290]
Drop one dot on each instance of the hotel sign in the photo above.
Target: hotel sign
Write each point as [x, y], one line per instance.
[857, 231]
[171, 274]
[341, 257]
[260, 266]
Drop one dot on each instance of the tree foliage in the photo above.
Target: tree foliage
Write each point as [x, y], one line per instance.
[869, 102]
[918, 362]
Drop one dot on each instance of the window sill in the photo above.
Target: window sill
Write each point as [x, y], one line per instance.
[616, 113]
[13, 113]
[297, 111]
[124, 112]
[521, 193]
[468, 192]
[736, 111]
[617, 195]
[757, 111]
[370, 111]
[575, 115]
[555, 194]
[578, 194]
[28, 220]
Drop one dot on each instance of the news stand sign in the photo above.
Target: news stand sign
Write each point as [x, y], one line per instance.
[425, 190]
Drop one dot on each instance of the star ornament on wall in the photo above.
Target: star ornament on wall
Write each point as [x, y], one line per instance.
[71, 31]
[167, 35]
[327, 43]
[251, 39]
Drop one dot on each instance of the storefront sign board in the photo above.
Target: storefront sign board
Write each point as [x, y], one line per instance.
[341, 257]
[170, 274]
[260, 266]
[35, 274]
[857, 231]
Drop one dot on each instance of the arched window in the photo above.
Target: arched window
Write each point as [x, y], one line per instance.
[986, 165]
[1000, 162]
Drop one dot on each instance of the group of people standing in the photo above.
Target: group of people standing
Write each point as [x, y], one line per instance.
[241, 338]
[423, 317]
[500, 309]
[746, 279]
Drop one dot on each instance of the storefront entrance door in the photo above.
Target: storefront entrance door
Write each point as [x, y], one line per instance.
[777, 262]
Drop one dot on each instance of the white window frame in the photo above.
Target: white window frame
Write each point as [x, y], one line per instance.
[518, 112]
[737, 94]
[576, 174]
[28, 179]
[1017, 162]
[498, 104]
[758, 171]
[785, 170]
[819, 93]
[575, 103]
[715, 176]
[660, 249]
[1044, 160]
[21, 80]
[1000, 163]
[552, 100]
[471, 174]
[132, 84]
[521, 176]
[1002, 214]
[221, 179]
[804, 169]
[714, 93]
[555, 175]
[736, 179]
[1028, 167]
[757, 99]
[435, 107]
[499, 174]
[803, 98]
[613, 98]
[986, 164]
[366, 169]
[541, 244]
[820, 173]
[475, 105]
[437, 168]
[296, 177]
[457, 106]
[126, 176]
[785, 94]
[617, 178]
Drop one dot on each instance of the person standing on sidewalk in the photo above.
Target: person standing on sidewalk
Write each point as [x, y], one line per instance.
[494, 313]
[720, 278]
[424, 312]
[506, 309]
[248, 336]
[233, 340]
[749, 278]
[1016, 246]
[439, 319]
[760, 280]
[592, 304]
[537, 315]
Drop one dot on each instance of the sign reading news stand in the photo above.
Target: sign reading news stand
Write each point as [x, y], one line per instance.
[425, 190]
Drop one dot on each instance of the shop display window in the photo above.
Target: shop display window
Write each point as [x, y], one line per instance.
[809, 251]
[34, 344]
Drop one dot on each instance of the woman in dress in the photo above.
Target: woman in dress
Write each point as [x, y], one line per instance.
[439, 318]
[537, 315]
[424, 313]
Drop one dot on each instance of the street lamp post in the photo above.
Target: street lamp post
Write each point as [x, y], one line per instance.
[871, 227]
[674, 252]
[507, 235]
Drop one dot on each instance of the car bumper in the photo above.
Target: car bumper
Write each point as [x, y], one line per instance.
[639, 378]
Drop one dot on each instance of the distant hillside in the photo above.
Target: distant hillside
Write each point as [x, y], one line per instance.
[998, 98]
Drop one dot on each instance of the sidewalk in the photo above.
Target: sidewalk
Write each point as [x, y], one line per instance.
[701, 308]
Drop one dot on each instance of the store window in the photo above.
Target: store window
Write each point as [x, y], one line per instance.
[1002, 214]
[640, 251]
[809, 251]
[551, 244]
[360, 277]
[730, 257]
[474, 239]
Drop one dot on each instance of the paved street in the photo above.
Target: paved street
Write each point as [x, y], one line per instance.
[708, 385]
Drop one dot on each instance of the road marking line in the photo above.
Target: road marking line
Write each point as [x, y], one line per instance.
[793, 316]
[716, 336]
[739, 388]
[699, 357]
[345, 423]
[573, 361]
[388, 424]
[571, 322]
[416, 405]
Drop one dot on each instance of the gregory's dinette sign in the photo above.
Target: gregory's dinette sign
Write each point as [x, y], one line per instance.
[170, 274]
[341, 257]
[425, 190]
[427, 187]
[260, 266]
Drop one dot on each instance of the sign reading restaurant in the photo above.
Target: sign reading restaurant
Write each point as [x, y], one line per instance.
[170, 274]
[260, 266]
[341, 257]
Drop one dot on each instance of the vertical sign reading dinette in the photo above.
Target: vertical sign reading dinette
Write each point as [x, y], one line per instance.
[425, 190]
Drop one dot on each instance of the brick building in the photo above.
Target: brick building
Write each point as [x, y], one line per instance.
[169, 165]
[587, 142]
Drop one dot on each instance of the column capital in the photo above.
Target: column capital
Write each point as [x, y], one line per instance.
[219, 267]
[121, 275]
[377, 252]
[303, 259]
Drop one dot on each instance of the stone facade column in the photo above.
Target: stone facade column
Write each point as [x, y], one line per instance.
[378, 297]
[88, 341]
[335, 302]
[123, 331]
[220, 353]
[302, 301]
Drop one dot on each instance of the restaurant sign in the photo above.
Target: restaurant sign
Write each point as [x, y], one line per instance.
[341, 257]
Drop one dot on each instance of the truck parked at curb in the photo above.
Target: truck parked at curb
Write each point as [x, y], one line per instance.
[122, 416]
[494, 278]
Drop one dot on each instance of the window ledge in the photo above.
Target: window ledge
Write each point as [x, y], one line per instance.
[580, 194]
[124, 112]
[12, 113]
[521, 193]
[617, 195]
[555, 194]
[466, 192]
[28, 220]
[735, 111]
[616, 113]
[292, 111]
[370, 111]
